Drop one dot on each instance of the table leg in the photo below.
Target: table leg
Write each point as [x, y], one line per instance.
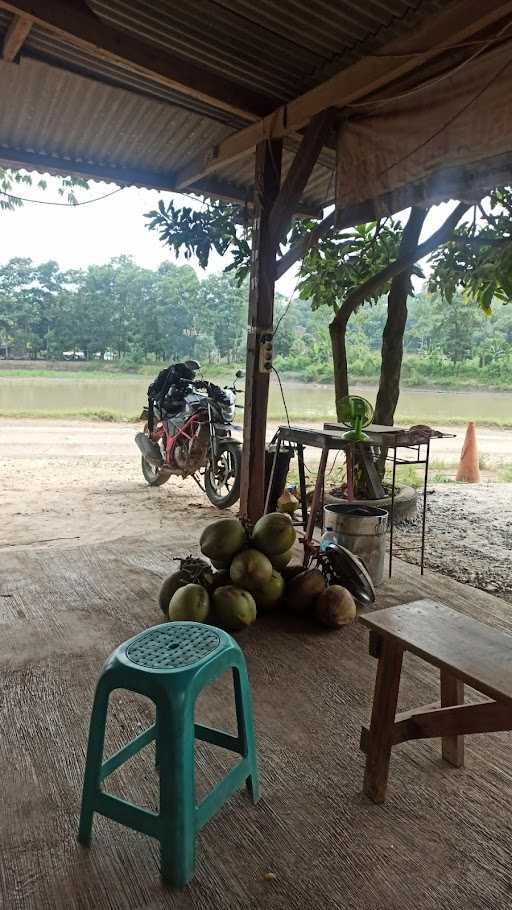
[424, 516]
[392, 514]
[350, 473]
[452, 693]
[317, 497]
[272, 474]
[302, 486]
[380, 737]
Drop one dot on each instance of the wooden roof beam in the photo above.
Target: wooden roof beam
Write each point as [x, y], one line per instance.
[222, 190]
[397, 59]
[18, 29]
[74, 21]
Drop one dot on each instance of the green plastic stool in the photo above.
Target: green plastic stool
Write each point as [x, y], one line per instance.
[170, 664]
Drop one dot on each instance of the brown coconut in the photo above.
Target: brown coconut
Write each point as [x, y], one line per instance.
[303, 590]
[335, 607]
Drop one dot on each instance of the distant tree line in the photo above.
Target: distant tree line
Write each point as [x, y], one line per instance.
[120, 310]
[444, 342]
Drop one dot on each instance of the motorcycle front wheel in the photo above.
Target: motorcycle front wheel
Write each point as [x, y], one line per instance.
[222, 476]
[153, 475]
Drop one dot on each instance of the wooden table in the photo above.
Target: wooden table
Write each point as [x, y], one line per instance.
[466, 651]
[332, 438]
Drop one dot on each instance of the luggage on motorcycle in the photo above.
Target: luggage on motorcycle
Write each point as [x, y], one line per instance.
[150, 450]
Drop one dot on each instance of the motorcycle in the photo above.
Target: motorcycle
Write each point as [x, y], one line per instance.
[195, 442]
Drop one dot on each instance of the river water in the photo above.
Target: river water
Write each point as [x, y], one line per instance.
[309, 402]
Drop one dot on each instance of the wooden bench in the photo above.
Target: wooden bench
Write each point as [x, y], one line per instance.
[466, 651]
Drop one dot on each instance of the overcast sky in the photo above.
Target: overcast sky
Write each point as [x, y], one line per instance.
[78, 236]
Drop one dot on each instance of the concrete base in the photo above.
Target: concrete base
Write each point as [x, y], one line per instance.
[406, 503]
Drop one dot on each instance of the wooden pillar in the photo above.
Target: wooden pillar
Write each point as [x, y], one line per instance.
[261, 316]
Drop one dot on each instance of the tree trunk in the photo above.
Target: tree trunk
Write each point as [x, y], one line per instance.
[393, 335]
[338, 331]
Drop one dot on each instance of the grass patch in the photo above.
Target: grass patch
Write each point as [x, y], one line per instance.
[504, 473]
[95, 370]
[99, 414]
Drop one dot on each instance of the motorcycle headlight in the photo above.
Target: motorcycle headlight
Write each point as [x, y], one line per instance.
[228, 412]
[228, 406]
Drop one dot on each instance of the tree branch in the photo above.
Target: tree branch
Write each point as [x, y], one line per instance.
[361, 213]
[373, 284]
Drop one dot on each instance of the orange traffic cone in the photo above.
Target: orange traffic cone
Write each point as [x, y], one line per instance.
[468, 470]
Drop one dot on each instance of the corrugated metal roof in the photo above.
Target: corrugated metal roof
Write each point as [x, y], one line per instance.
[63, 104]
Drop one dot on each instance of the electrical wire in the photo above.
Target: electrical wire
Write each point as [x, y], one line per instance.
[202, 202]
[282, 396]
[63, 204]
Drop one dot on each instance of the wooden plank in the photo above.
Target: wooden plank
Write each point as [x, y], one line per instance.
[403, 56]
[79, 26]
[261, 318]
[452, 693]
[380, 738]
[476, 653]
[452, 723]
[18, 29]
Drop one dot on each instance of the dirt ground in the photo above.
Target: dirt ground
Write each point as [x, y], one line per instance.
[68, 482]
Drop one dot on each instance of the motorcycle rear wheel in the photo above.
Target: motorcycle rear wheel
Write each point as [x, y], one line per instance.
[222, 480]
[153, 475]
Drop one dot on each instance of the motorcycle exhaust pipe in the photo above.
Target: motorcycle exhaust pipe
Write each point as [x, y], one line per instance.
[150, 450]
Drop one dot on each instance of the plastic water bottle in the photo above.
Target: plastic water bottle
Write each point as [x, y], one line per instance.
[327, 538]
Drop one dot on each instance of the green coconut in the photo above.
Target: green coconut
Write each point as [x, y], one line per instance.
[281, 560]
[222, 539]
[271, 594]
[274, 534]
[251, 570]
[169, 587]
[233, 608]
[303, 590]
[189, 604]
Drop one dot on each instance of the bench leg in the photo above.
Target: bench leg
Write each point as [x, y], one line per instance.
[452, 693]
[380, 738]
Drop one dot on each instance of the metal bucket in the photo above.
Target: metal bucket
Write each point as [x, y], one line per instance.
[362, 530]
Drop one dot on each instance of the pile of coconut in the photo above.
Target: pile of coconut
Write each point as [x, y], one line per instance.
[248, 573]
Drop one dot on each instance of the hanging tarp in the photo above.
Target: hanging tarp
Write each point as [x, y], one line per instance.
[450, 140]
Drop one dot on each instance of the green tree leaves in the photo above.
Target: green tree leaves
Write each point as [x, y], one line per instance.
[122, 309]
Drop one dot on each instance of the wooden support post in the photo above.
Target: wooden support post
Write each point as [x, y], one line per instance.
[380, 738]
[452, 693]
[261, 315]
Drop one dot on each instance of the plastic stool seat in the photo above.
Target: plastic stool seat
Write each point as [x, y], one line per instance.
[173, 646]
[170, 664]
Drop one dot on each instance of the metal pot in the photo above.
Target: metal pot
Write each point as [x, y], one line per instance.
[362, 530]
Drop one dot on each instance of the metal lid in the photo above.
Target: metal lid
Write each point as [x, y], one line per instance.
[351, 572]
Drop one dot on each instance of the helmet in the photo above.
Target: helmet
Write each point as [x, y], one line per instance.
[193, 365]
[186, 370]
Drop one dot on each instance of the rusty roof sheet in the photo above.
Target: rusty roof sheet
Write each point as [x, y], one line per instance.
[64, 109]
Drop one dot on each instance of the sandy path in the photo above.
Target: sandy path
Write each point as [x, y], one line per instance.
[64, 482]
